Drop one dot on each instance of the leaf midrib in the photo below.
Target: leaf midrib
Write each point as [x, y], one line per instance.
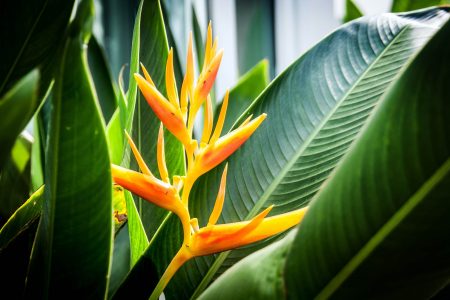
[385, 230]
[221, 257]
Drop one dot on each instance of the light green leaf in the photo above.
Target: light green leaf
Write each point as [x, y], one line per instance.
[352, 11]
[16, 108]
[138, 241]
[407, 5]
[36, 168]
[249, 86]
[73, 246]
[15, 179]
[379, 226]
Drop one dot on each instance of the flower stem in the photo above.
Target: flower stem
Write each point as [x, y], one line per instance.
[180, 258]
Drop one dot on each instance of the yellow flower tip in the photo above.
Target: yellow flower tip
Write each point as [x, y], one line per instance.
[208, 46]
[140, 161]
[146, 187]
[161, 157]
[146, 75]
[221, 119]
[170, 80]
[218, 206]
[207, 123]
[164, 110]
[207, 78]
[215, 153]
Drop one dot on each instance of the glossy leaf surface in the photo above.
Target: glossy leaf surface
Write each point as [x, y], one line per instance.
[73, 246]
[379, 226]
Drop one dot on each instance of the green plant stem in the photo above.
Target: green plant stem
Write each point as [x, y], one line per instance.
[180, 258]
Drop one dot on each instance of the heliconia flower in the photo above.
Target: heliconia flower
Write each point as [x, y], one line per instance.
[177, 113]
[218, 238]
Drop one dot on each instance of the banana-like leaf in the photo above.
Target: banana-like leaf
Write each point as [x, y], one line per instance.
[406, 5]
[16, 108]
[379, 227]
[352, 11]
[33, 40]
[314, 109]
[249, 86]
[73, 246]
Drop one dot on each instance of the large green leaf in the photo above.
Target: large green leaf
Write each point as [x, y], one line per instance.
[249, 86]
[315, 109]
[385, 209]
[16, 108]
[32, 31]
[73, 246]
[379, 227]
[405, 5]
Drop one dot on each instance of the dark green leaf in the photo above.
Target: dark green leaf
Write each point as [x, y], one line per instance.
[352, 11]
[32, 31]
[385, 210]
[120, 261]
[72, 250]
[16, 108]
[249, 86]
[101, 74]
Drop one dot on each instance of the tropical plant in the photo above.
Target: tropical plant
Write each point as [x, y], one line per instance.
[356, 133]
